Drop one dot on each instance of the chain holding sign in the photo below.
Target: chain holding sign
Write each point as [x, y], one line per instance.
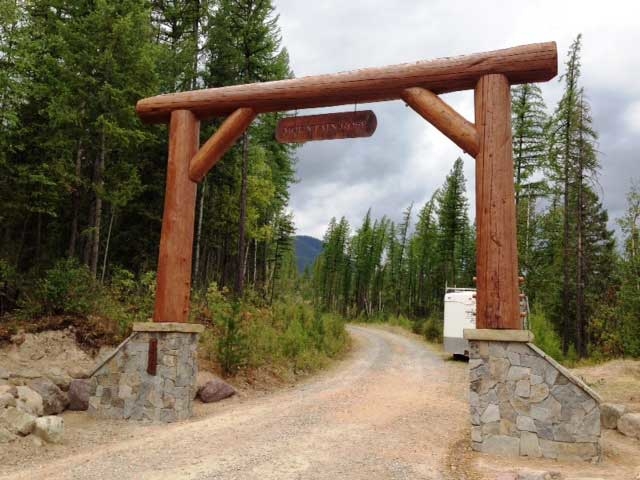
[328, 126]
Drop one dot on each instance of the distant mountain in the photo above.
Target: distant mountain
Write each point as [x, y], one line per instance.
[307, 250]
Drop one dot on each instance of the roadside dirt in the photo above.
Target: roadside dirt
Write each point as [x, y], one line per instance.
[391, 409]
[36, 353]
[394, 408]
[617, 381]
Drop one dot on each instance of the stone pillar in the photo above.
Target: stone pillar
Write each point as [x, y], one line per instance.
[134, 383]
[524, 403]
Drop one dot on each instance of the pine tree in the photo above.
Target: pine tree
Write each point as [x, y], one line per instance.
[398, 244]
[283, 247]
[573, 162]
[426, 239]
[628, 308]
[529, 124]
[453, 223]
[244, 46]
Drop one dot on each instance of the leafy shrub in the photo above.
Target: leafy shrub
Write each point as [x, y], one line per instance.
[123, 284]
[9, 287]
[545, 335]
[290, 334]
[433, 329]
[67, 288]
[232, 344]
[418, 326]
[127, 300]
[607, 338]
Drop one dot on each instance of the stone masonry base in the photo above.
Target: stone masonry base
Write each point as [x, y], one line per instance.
[524, 403]
[124, 388]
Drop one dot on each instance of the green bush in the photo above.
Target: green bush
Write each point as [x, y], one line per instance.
[290, 334]
[127, 300]
[232, 344]
[418, 326]
[67, 288]
[217, 302]
[433, 329]
[400, 321]
[545, 336]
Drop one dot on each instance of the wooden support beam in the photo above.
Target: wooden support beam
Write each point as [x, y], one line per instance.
[220, 142]
[524, 64]
[436, 111]
[173, 288]
[497, 304]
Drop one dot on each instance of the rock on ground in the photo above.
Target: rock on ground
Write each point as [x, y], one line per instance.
[10, 389]
[215, 390]
[538, 475]
[29, 401]
[59, 377]
[54, 400]
[6, 436]
[610, 413]
[7, 400]
[79, 372]
[79, 393]
[49, 429]
[629, 424]
[204, 377]
[17, 421]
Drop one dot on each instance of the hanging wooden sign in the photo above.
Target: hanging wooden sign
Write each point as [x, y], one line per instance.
[328, 126]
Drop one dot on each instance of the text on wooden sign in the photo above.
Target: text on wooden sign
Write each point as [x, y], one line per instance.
[328, 126]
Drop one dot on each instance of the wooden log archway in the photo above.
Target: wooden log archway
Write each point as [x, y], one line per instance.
[418, 84]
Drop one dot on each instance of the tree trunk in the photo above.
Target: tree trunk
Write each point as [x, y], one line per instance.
[255, 262]
[196, 267]
[106, 247]
[243, 215]
[97, 219]
[38, 240]
[275, 273]
[565, 263]
[580, 321]
[75, 204]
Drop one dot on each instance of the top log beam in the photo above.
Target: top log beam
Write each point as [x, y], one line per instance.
[536, 62]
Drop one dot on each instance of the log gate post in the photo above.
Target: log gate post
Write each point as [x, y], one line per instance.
[173, 289]
[497, 296]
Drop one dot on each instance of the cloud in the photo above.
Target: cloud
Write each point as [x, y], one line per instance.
[632, 117]
[407, 159]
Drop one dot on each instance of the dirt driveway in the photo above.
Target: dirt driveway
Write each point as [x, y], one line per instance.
[391, 410]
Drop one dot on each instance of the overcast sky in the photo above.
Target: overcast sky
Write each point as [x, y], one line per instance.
[407, 158]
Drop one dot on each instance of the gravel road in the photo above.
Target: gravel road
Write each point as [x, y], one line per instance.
[392, 410]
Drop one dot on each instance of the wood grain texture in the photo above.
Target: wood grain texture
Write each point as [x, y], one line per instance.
[326, 126]
[220, 142]
[437, 112]
[523, 64]
[176, 241]
[497, 303]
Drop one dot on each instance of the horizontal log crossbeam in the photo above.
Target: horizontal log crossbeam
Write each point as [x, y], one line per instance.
[433, 109]
[418, 84]
[220, 142]
[524, 64]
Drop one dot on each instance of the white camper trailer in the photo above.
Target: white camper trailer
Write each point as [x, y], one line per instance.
[459, 313]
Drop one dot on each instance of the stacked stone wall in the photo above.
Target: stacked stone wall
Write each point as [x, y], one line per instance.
[524, 403]
[122, 388]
